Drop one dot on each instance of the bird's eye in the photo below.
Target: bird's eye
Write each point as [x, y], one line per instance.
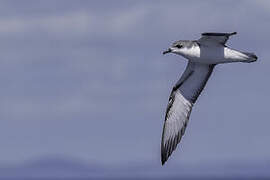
[178, 46]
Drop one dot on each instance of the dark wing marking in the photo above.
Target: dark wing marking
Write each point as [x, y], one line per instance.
[181, 100]
[218, 34]
[210, 38]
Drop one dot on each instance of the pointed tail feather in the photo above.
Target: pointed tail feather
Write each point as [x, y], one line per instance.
[252, 56]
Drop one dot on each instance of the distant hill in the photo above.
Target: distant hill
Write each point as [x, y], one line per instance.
[64, 167]
[52, 167]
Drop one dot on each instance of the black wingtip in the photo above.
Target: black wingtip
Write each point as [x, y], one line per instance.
[164, 156]
[233, 33]
[163, 160]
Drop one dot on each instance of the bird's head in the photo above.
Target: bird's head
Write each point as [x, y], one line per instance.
[181, 47]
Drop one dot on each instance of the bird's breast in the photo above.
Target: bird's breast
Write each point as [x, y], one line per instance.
[208, 54]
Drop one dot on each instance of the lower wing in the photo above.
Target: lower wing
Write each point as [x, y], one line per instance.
[182, 98]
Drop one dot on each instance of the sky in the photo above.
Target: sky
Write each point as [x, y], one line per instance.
[87, 80]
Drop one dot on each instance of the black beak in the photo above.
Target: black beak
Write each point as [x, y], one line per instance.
[167, 51]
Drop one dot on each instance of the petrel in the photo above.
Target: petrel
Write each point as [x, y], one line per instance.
[203, 55]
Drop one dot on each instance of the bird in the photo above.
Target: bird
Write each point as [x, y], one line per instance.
[202, 55]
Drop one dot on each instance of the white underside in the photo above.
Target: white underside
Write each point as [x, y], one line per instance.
[214, 55]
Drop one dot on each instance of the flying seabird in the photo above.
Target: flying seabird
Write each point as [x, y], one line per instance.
[202, 55]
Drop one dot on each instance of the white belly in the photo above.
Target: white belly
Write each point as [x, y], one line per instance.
[214, 55]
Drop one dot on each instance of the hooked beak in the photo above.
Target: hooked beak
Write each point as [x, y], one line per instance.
[167, 51]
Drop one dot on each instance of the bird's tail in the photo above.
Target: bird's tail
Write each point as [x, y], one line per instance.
[251, 57]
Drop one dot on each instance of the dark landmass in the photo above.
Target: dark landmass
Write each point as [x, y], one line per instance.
[69, 168]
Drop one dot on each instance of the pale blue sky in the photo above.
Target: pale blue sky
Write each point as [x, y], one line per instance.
[87, 79]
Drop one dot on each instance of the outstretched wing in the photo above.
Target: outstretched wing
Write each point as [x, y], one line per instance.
[182, 98]
[215, 38]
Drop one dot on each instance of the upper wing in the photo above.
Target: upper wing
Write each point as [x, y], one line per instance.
[181, 100]
[215, 38]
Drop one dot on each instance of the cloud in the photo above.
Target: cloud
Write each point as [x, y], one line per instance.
[74, 23]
